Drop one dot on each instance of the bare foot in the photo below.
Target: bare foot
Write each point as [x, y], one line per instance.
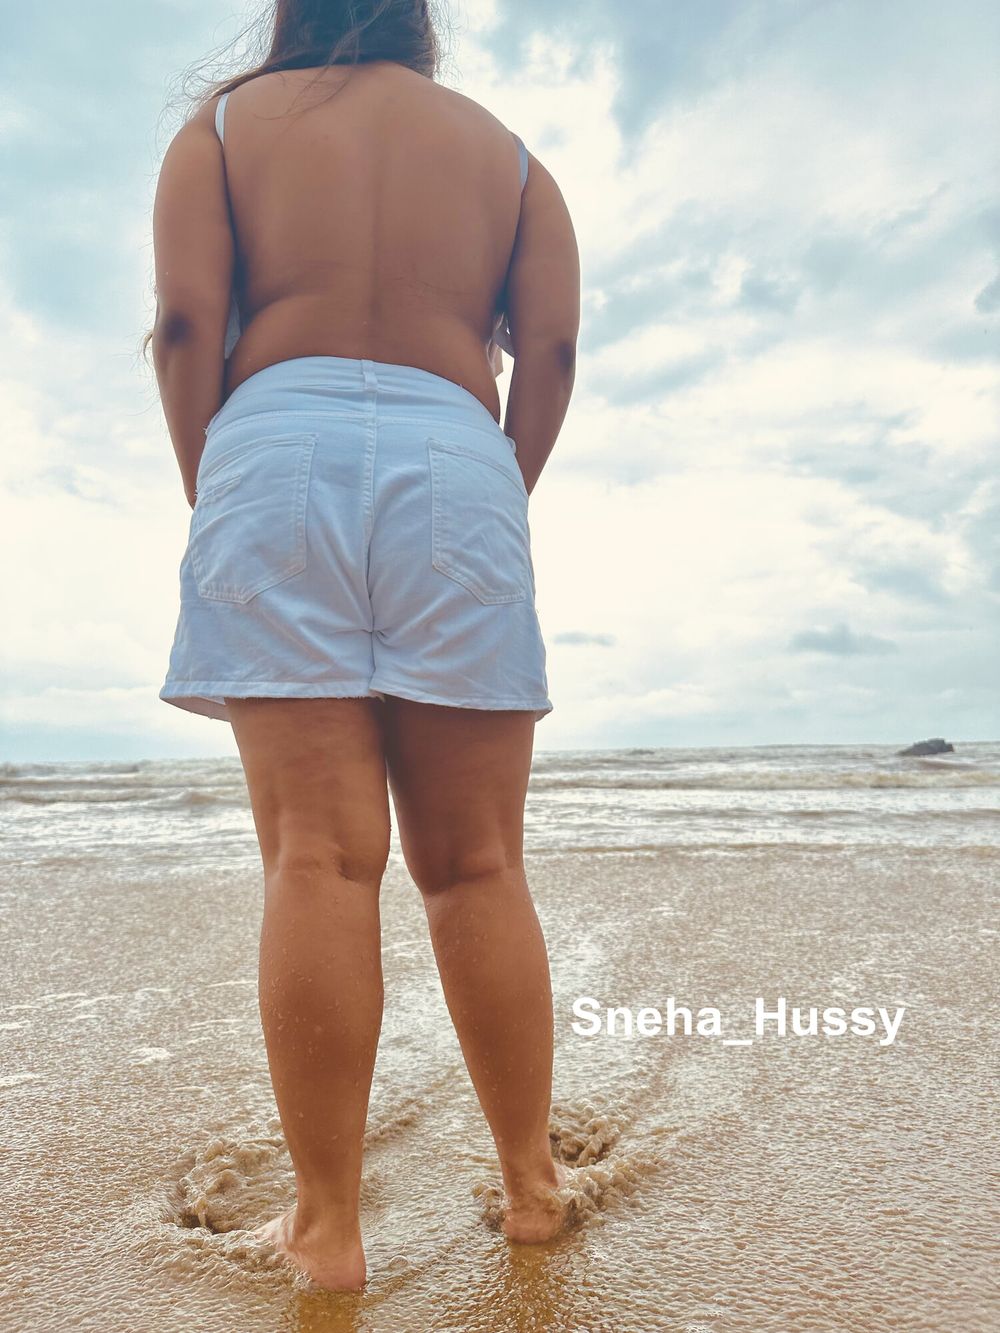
[537, 1216]
[336, 1263]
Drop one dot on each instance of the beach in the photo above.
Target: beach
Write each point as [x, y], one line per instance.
[735, 1178]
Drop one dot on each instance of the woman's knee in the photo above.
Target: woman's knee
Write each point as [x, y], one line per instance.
[441, 866]
[307, 861]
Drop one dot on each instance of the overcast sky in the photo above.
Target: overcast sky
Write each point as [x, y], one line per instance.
[773, 514]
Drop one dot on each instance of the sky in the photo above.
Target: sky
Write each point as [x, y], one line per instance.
[773, 513]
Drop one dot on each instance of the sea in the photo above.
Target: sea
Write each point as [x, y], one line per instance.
[776, 1006]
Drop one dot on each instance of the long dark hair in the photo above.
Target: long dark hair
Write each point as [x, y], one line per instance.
[303, 34]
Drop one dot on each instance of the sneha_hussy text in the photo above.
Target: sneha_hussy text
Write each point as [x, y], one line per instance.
[777, 1017]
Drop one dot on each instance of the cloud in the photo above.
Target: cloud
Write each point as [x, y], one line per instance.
[987, 301]
[841, 641]
[580, 636]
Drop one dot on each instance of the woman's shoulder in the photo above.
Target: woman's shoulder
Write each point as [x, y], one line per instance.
[473, 109]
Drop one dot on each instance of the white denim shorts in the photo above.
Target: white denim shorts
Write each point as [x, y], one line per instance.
[360, 529]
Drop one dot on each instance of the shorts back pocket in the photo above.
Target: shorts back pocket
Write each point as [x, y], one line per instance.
[479, 522]
[248, 528]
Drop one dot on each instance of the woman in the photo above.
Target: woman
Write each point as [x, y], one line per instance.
[357, 595]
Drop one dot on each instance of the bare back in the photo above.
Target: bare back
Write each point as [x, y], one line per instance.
[376, 223]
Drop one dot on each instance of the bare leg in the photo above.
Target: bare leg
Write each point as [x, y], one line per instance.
[459, 779]
[316, 775]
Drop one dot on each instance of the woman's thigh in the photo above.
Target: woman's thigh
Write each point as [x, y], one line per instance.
[459, 778]
[316, 775]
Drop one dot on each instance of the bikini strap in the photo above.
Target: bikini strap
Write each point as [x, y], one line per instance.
[220, 116]
[220, 122]
[523, 152]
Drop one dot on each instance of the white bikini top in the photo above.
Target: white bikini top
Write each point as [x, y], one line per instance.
[501, 336]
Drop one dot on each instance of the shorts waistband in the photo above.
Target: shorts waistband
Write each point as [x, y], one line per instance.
[353, 387]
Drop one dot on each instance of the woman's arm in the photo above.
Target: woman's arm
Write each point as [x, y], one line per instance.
[194, 257]
[543, 308]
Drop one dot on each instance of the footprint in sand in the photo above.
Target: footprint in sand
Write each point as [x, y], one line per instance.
[593, 1176]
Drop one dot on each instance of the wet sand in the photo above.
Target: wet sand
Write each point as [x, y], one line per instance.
[799, 1183]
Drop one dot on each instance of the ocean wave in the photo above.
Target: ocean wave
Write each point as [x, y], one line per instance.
[72, 796]
[194, 797]
[17, 772]
[805, 780]
[92, 794]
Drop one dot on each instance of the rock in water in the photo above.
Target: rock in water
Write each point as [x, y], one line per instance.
[937, 745]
